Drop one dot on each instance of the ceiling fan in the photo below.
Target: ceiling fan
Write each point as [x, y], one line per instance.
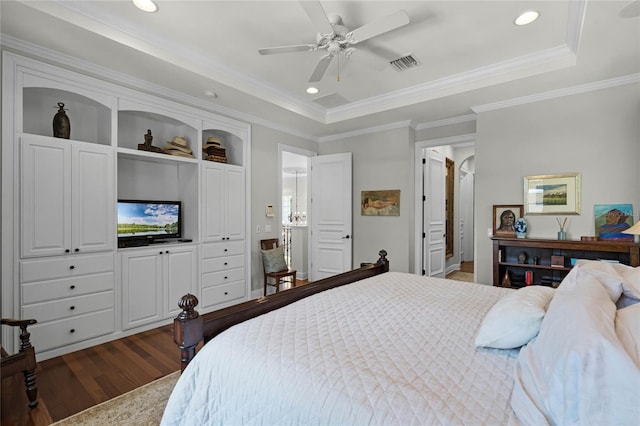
[335, 37]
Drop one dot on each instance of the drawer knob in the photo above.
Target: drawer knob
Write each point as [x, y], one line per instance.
[67, 251]
[72, 267]
[167, 251]
[226, 250]
[225, 263]
[77, 250]
[73, 330]
[226, 292]
[160, 253]
[72, 308]
[72, 287]
[225, 278]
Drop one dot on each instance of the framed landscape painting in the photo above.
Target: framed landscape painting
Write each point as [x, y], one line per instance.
[611, 220]
[552, 194]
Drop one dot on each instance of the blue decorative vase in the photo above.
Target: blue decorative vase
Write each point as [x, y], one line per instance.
[520, 227]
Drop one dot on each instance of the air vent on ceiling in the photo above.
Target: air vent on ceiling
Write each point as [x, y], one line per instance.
[405, 62]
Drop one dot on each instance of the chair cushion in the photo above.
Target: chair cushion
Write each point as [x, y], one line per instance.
[273, 260]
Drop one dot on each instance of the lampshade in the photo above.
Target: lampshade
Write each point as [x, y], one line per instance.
[635, 229]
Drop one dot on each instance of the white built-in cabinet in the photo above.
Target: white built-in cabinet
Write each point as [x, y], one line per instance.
[61, 263]
[153, 280]
[223, 207]
[67, 193]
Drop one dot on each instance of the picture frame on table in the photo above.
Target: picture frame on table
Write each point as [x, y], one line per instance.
[504, 217]
[552, 194]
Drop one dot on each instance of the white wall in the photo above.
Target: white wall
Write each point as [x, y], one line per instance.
[596, 134]
[381, 160]
[264, 188]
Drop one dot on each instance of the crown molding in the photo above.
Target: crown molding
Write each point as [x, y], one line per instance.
[366, 131]
[559, 93]
[446, 122]
[458, 141]
[87, 16]
[87, 68]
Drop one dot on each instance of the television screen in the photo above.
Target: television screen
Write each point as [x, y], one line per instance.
[148, 219]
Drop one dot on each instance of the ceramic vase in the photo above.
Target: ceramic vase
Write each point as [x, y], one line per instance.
[61, 123]
[520, 227]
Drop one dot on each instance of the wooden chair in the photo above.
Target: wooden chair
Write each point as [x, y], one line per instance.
[278, 277]
[22, 362]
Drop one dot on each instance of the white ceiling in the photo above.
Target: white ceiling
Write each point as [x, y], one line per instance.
[471, 54]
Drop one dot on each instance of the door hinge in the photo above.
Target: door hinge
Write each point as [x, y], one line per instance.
[424, 235]
[424, 198]
[424, 161]
[424, 272]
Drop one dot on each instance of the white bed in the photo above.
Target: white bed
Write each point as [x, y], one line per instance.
[394, 349]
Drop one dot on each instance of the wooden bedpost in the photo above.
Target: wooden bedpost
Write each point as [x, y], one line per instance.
[187, 329]
[383, 260]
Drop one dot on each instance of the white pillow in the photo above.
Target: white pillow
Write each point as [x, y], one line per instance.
[577, 371]
[628, 330]
[631, 282]
[515, 319]
[605, 272]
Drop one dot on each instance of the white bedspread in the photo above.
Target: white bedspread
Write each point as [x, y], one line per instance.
[392, 349]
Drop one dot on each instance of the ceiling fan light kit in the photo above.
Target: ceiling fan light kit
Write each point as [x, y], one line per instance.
[335, 38]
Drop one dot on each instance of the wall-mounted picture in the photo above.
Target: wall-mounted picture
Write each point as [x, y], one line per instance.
[504, 217]
[552, 194]
[381, 203]
[612, 219]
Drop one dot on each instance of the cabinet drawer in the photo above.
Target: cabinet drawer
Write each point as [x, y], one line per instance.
[222, 263]
[226, 248]
[67, 266]
[222, 293]
[66, 308]
[64, 332]
[66, 287]
[223, 277]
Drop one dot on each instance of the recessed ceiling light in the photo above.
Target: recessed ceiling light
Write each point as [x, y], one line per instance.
[526, 18]
[312, 90]
[146, 5]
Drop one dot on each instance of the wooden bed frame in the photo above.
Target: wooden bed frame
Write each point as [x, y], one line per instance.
[190, 328]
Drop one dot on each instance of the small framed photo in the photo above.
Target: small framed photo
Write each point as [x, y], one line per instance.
[504, 217]
[552, 194]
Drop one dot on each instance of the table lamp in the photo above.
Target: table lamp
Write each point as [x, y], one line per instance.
[635, 230]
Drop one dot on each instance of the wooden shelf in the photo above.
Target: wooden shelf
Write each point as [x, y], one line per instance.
[506, 251]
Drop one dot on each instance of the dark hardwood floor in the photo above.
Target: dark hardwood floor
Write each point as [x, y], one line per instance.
[76, 381]
[73, 382]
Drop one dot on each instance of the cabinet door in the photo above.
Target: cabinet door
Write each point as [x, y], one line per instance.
[141, 287]
[180, 271]
[235, 205]
[93, 198]
[213, 203]
[45, 194]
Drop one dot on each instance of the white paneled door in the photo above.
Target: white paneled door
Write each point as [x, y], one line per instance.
[434, 220]
[331, 211]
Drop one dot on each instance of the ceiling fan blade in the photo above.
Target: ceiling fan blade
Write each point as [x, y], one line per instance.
[317, 15]
[377, 27]
[287, 49]
[321, 68]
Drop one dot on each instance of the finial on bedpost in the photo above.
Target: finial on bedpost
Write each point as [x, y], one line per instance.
[187, 329]
[383, 260]
[188, 304]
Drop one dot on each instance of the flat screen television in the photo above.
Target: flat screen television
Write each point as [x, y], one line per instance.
[142, 222]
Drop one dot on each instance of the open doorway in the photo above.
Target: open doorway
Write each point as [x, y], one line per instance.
[459, 223]
[294, 202]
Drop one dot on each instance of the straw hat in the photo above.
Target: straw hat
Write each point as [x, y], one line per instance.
[212, 141]
[178, 142]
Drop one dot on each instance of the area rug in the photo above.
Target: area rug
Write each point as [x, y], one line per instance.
[461, 276]
[141, 406]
